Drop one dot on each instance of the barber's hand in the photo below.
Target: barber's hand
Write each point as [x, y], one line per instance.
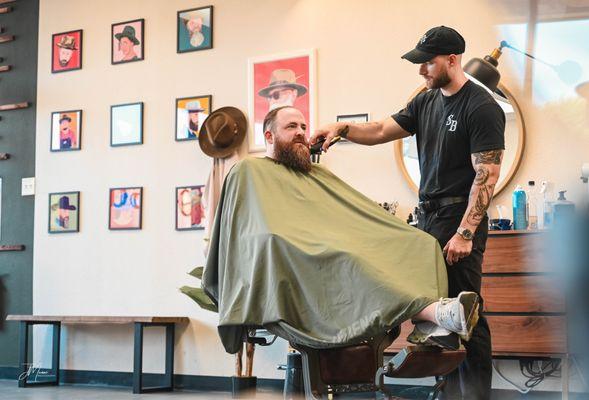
[328, 132]
[457, 248]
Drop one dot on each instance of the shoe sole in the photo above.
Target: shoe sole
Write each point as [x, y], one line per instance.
[470, 303]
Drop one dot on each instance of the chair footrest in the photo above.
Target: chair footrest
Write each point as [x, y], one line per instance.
[424, 361]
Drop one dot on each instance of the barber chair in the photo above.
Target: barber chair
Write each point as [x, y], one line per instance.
[360, 368]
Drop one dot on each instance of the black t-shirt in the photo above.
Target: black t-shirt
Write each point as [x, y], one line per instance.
[448, 130]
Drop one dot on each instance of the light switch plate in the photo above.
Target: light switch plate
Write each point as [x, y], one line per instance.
[28, 187]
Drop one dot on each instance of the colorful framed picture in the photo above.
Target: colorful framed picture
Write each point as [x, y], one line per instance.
[66, 51]
[124, 208]
[127, 41]
[354, 118]
[126, 124]
[280, 80]
[66, 130]
[190, 115]
[64, 212]
[194, 29]
[189, 209]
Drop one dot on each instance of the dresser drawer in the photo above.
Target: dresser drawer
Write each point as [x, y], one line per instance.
[523, 334]
[516, 253]
[522, 294]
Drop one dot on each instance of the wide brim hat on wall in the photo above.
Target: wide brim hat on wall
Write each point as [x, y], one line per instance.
[129, 33]
[283, 78]
[222, 132]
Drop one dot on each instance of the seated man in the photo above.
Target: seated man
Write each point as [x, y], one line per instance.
[299, 252]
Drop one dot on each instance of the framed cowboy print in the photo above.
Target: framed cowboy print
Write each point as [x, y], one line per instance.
[127, 41]
[66, 130]
[66, 51]
[189, 209]
[190, 115]
[126, 124]
[280, 80]
[353, 118]
[124, 208]
[64, 212]
[194, 29]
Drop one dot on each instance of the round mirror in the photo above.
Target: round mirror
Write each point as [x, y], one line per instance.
[406, 149]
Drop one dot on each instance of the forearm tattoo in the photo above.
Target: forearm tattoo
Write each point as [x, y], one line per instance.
[488, 157]
[481, 192]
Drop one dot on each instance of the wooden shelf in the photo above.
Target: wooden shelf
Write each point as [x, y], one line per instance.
[4, 68]
[4, 156]
[5, 10]
[519, 232]
[2, 2]
[6, 38]
[16, 106]
[12, 247]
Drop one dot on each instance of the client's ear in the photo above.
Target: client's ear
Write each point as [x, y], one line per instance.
[269, 137]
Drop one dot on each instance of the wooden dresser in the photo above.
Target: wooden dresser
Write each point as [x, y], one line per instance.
[524, 305]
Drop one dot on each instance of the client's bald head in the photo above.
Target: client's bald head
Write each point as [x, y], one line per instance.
[286, 141]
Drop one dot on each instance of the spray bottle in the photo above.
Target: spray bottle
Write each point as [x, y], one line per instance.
[519, 209]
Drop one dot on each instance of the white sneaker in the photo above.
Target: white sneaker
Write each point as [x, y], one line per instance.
[428, 333]
[459, 314]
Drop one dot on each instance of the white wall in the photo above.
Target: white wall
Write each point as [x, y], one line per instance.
[359, 69]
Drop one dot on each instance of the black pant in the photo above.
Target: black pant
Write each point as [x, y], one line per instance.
[472, 379]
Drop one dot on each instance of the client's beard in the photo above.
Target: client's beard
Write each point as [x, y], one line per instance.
[293, 156]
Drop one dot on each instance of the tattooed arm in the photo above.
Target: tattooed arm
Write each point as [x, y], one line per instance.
[487, 165]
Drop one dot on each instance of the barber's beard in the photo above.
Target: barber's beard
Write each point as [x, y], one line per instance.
[440, 81]
[63, 62]
[295, 156]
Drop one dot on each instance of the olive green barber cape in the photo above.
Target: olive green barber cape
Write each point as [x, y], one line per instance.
[311, 259]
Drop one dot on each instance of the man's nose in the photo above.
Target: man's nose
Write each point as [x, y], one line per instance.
[422, 69]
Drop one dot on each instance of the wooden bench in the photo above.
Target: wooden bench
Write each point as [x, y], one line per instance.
[140, 323]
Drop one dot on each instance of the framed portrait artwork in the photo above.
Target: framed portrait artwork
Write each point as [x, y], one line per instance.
[280, 80]
[64, 212]
[66, 51]
[194, 29]
[66, 130]
[189, 209]
[354, 118]
[127, 41]
[191, 112]
[124, 208]
[126, 124]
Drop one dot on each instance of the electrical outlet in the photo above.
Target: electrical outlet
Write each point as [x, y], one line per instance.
[28, 187]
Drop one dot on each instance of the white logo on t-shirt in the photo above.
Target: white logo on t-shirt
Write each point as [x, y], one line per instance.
[451, 123]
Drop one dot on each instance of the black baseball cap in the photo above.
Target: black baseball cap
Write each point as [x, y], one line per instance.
[440, 40]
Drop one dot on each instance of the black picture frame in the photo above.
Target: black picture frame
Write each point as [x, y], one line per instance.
[79, 136]
[112, 107]
[54, 232]
[196, 228]
[141, 43]
[140, 208]
[57, 71]
[350, 117]
[209, 98]
[178, 22]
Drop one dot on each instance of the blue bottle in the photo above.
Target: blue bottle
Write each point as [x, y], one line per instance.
[520, 218]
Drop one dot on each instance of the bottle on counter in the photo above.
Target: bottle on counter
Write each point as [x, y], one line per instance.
[547, 203]
[519, 209]
[563, 209]
[532, 206]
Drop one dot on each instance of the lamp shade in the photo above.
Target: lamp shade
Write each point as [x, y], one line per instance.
[484, 70]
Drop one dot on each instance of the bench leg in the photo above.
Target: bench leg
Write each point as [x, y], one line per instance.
[27, 369]
[138, 358]
[170, 333]
[23, 354]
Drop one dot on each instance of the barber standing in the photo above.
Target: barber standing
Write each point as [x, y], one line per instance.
[459, 129]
